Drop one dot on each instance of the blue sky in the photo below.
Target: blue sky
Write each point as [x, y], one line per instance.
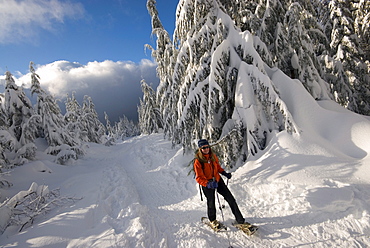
[60, 35]
[89, 30]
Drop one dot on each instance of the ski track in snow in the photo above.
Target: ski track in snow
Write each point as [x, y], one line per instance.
[137, 198]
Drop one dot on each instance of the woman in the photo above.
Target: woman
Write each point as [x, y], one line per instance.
[207, 170]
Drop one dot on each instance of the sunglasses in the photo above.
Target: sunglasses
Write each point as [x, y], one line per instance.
[205, 147]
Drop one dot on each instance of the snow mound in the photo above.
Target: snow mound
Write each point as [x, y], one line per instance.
[39, 166]
[340, 131]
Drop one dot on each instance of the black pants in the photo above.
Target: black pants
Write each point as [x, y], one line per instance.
[225, 192]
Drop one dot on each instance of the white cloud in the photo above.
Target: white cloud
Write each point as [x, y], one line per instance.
[113, 86]
[22, 19]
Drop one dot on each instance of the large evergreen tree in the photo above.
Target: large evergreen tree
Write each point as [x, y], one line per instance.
[164, 54]
[21, 122]
[5, 137]
[362, 27]
[17, 106]
[53, 126]
[348, 56]
[205, 86]
[321, 43]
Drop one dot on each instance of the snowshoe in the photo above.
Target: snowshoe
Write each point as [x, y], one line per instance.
[215, 225]
[247, 228]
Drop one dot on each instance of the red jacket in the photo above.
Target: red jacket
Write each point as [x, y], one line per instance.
[209, 170]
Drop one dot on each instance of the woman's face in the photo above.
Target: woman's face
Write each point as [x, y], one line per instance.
[205, 149]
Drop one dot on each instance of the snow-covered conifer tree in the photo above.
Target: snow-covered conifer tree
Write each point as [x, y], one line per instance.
[17, 106]
[3, 114]
[362, 27]
[310, 37]
[73, 118]
[91, 125]
[150, 120]
[348, 59]
[301, 26]
[216, 65]
[84, 121]
[125, 128]
[110, 129]
[165, 56]
[53, 127]
[7, 144]
[130, 128]
[3, 134]
[22, 123]
[72, 107]
[291, 35]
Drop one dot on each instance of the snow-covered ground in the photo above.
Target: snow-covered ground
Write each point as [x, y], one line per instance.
[138, 194]
[310, 189]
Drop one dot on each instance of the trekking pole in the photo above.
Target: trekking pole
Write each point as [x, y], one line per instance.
[227, 184]
[223, 218]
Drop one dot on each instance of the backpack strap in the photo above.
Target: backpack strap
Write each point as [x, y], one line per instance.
[200, 192]
[200, 188]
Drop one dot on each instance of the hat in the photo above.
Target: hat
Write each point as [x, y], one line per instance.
[202, 142]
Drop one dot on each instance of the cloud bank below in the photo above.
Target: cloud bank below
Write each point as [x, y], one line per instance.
[114, 86]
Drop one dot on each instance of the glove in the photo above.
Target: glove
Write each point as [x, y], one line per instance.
[212, 184]
[227, 175]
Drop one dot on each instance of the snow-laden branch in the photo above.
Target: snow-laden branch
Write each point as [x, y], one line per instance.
[22, 209]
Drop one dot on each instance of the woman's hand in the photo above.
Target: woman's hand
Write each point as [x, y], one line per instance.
[212, 184]
[227, 175]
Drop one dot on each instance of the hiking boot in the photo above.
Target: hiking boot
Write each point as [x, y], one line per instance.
[244, 225]
[215, 224]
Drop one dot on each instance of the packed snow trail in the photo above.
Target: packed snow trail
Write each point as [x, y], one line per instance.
[127, 199]
[150, 200]
[142, 190]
